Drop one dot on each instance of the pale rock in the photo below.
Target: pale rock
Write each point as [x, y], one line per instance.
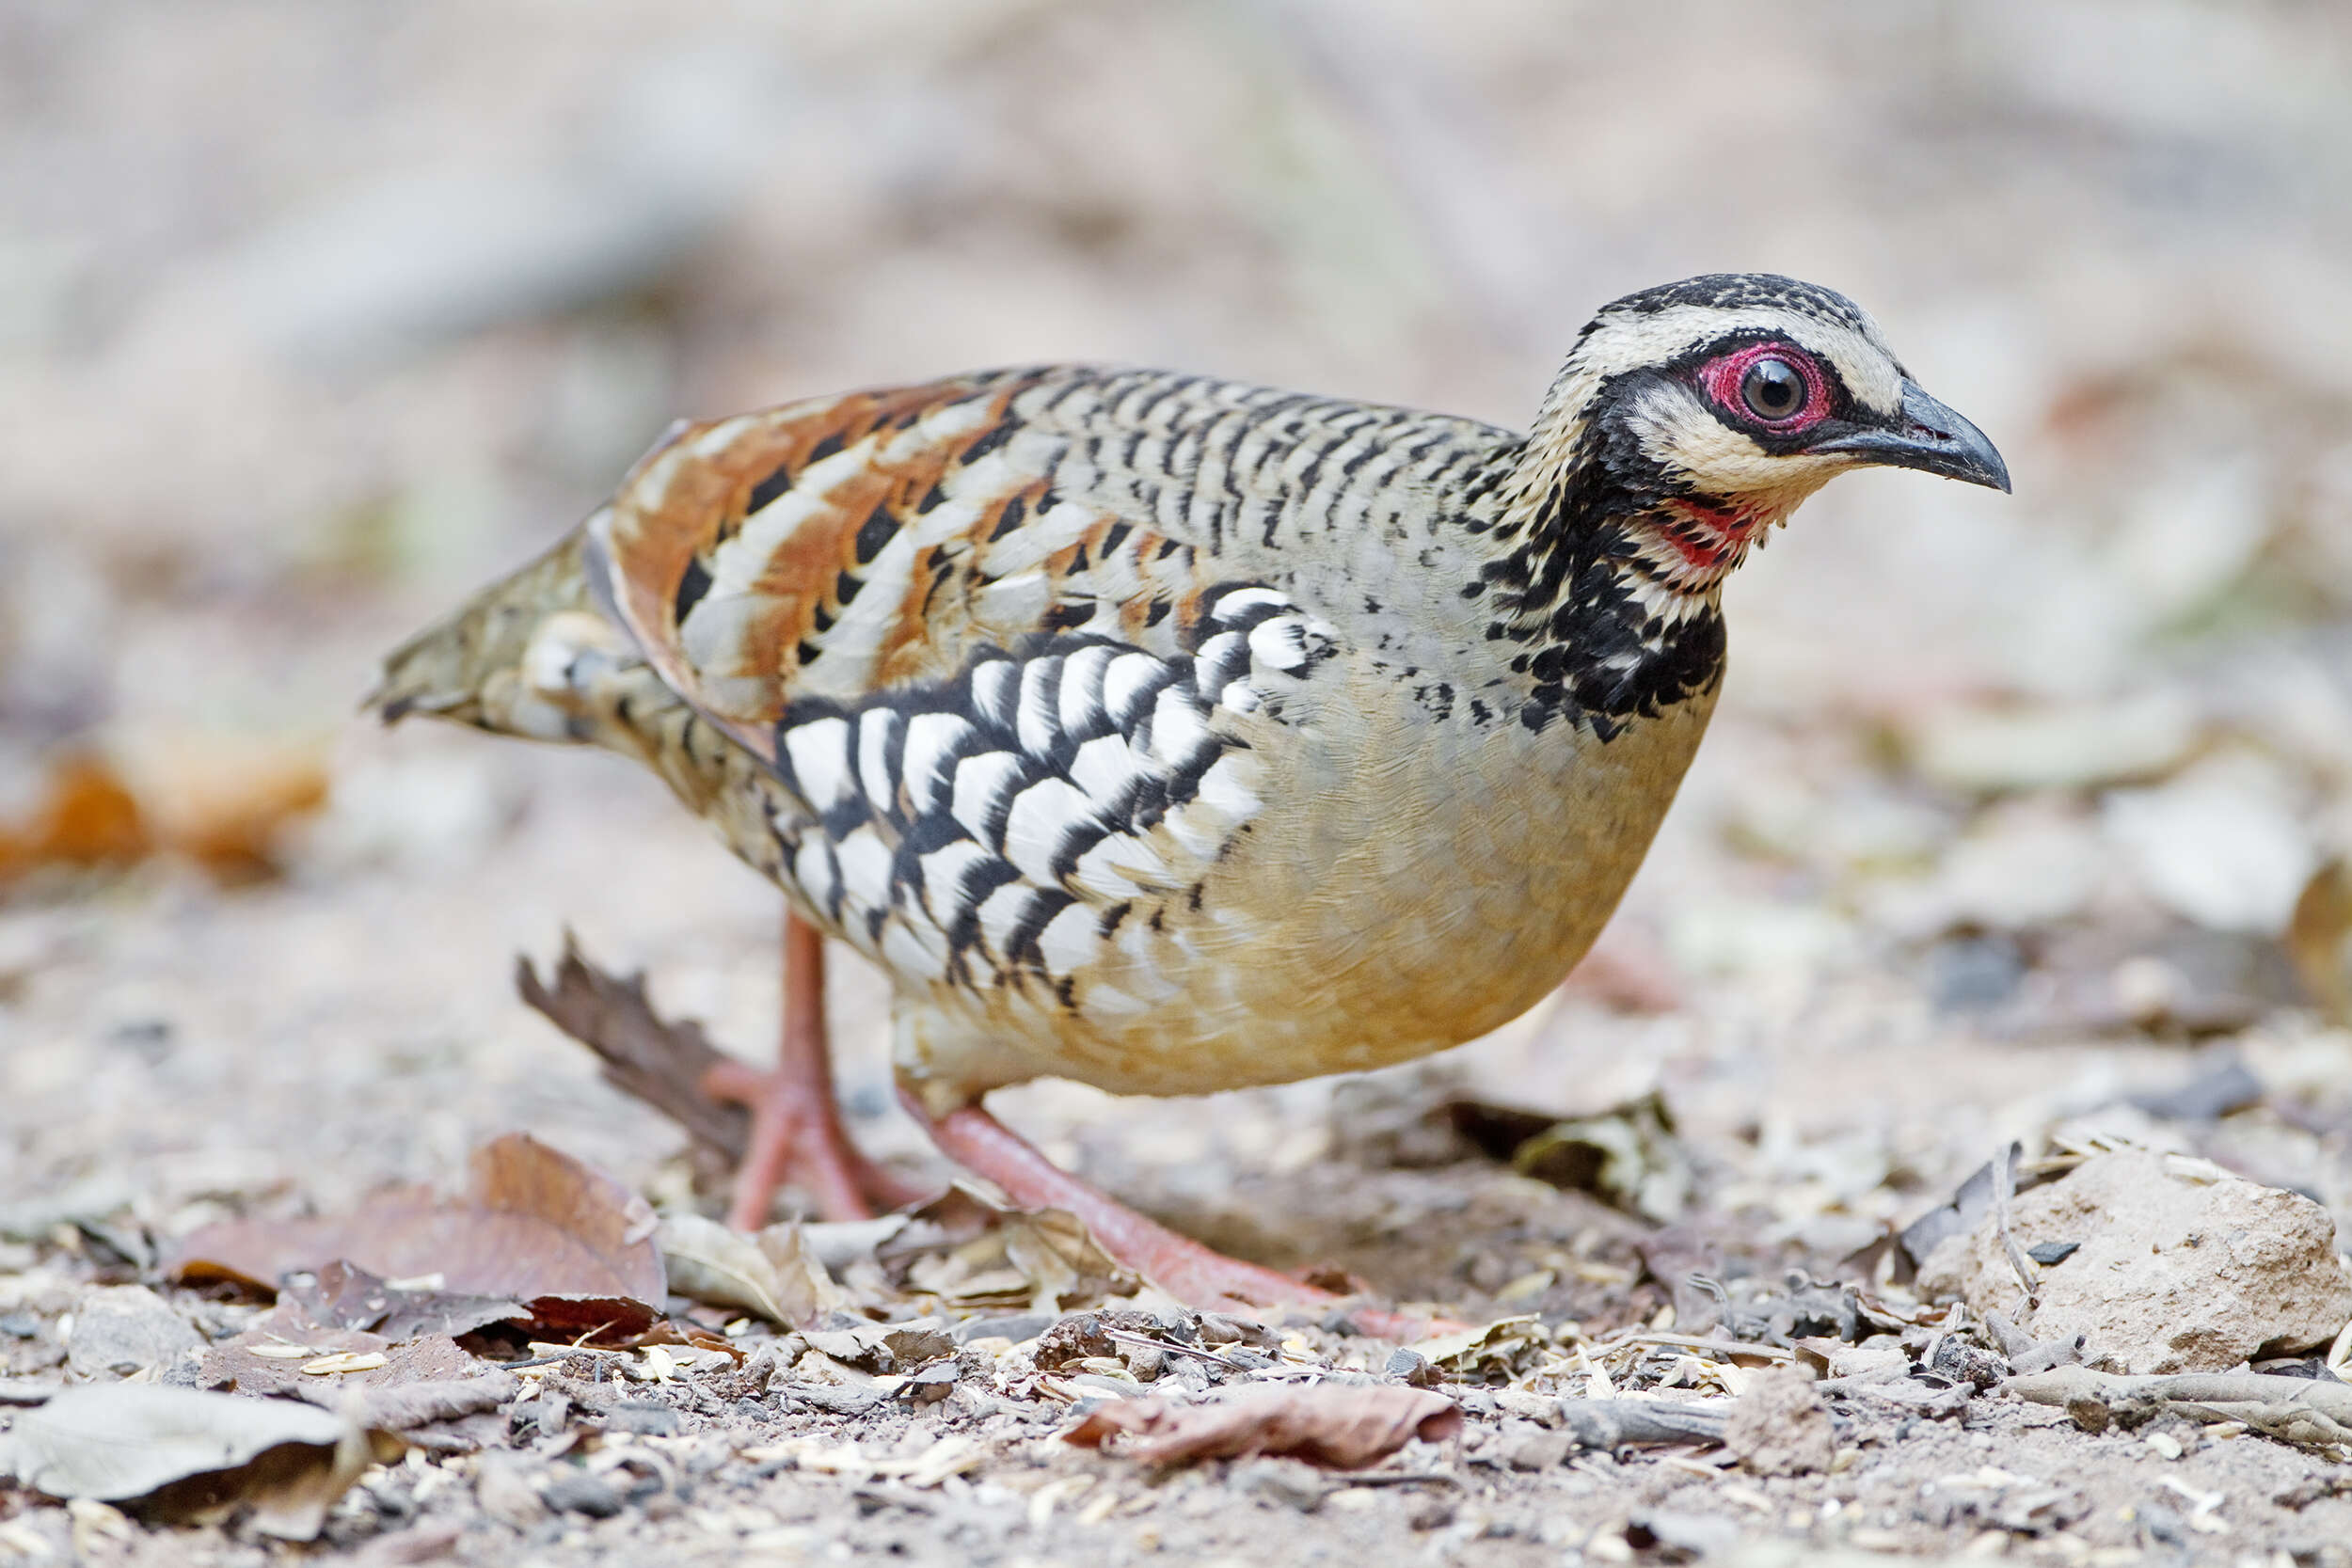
[2179, 1266]
[2193, 533]
[502, 1485]
[2221, 848]
[1780, 1427]
[2032, 873]
[2055, 745]
[1755, 935]
[122, 1329]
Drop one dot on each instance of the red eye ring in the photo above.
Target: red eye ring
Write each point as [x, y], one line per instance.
[1724, 379]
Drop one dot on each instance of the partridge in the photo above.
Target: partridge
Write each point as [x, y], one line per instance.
[1174, 734]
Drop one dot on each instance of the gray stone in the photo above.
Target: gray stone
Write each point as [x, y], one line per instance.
[1779, 1427]
[122, 1329]
[2182, 1267]
[1289, 1482]
[505, 1491]
[577, 1492]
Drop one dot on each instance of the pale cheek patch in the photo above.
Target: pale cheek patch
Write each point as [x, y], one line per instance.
[1679, 432]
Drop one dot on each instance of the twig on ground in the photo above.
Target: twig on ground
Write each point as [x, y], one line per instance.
[2311, 1411]
[2004, 1190]
[1617, 1423]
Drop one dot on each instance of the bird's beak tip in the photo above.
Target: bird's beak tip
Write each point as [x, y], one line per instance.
[1933, 438]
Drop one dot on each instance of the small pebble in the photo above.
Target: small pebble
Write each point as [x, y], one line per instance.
[577, 1492]
[1287, 1481]
[645, 1418]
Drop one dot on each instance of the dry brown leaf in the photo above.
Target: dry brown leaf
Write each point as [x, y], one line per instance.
[223, 800]
[1341, 1428]
[2319, 941]
[1506, 1346]
[279, 1355]
[536, 1226]
[185, 1453]
[345, 1295]
[416, 1404]
[220, 801]
[1627, 1155]
[771, 1274]
[655, 1060]
[964, 1248]
[85, 819]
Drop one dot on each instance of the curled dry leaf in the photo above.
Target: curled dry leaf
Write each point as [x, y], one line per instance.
[1344, 1428]
[771, 1273]
[221, 801]
[535, 1226]
[1508, 1345]
[86, 817]
[416, 1404]
[345, 1295]
[2316, 1412]
[657, 1060]
[1629, 1155]
[185, 1453]
[2319, 941]
[284, 1355]
[965, 1249]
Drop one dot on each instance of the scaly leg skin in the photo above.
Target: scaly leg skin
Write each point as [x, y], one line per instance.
[1187, 1270]
[797, 1134]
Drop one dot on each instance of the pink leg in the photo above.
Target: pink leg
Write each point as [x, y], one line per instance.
[1187, 1270]
[797, 1134]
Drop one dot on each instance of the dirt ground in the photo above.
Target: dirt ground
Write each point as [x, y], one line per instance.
[2019, 814]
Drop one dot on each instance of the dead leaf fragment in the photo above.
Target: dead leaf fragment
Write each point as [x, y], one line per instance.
[1340, 1428]
[282, 1355]
[2319, 941]
[345, 1295]
[120, 1329]
[975, 1253]
[1627, 1155]
[771, 1274]
[416, 1404]
[85, 819]
[1780, 1427]
[222, 801]
[536, 1226]
[184, 1452]
[645, 1056]
[1508, 1345]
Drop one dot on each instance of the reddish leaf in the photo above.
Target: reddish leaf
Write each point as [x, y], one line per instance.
[276, 1354]
[537, 1227]
[345, 1295]
[1344, 1428]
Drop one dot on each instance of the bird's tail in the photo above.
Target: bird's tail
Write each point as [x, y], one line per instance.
[472, 667]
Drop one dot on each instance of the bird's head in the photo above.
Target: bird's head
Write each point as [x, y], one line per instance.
[1710, 408]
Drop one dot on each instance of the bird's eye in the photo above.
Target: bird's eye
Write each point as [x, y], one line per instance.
[1773, 389]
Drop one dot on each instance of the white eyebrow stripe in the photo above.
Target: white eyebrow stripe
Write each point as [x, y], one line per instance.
[1861, 358]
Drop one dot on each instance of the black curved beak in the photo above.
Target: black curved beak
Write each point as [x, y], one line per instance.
[1928, 436]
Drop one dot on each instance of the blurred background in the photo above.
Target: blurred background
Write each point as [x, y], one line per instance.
[316, 313]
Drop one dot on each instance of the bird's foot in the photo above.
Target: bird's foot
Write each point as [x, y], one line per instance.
[1196, 1274]
[797, 1139]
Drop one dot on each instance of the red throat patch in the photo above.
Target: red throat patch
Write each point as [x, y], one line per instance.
[1708, 538]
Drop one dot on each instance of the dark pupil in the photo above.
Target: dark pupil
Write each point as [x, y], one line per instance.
[1773, 389]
